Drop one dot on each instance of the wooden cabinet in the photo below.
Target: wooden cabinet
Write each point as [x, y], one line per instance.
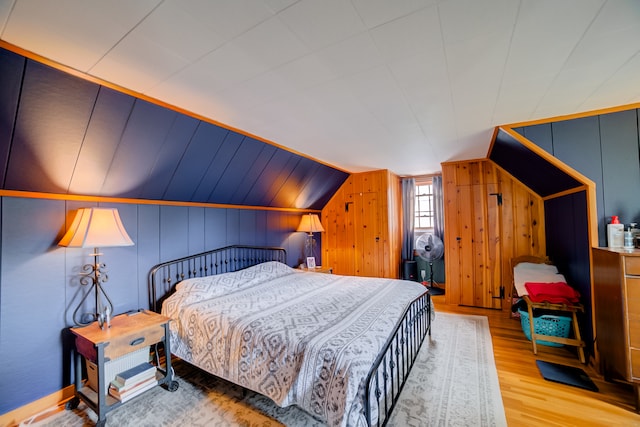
[362, 226]
[616, 292]
[490, 218]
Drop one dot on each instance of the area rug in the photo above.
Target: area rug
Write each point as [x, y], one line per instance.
[563, 374]
[454, 382]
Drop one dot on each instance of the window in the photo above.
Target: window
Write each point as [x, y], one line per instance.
[424, 207]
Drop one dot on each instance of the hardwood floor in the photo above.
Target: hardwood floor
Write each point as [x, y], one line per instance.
[530, 400]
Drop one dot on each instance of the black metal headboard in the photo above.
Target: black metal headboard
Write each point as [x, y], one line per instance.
[164, 277]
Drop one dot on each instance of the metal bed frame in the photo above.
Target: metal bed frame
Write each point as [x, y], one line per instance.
[391, 368]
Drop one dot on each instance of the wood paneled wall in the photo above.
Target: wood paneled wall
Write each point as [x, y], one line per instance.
[604, 148]
[62, 134]
[482, 236]
[362, 224]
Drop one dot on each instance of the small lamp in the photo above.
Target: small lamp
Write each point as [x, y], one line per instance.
[95, 227]
[310, 224]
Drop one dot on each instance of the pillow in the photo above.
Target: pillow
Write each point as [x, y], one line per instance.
[536, 267]
[198, 289]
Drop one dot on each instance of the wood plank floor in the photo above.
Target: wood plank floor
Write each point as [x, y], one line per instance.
[530, 400]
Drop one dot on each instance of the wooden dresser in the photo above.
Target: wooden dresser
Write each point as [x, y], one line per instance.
[616, 283]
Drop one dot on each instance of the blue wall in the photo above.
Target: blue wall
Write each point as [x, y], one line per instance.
[39, 287]
[605, 149]
[65, 135]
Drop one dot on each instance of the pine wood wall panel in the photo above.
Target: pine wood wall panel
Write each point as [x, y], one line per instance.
[450, 204]
[362, 233]
[482, 236]
[337, 242]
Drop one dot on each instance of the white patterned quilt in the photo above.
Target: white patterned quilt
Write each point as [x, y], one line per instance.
[299, 338]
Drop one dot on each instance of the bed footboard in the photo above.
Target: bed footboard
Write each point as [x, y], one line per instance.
[164, 277]
[392, 366]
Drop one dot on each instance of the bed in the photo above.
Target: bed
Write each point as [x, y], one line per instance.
[542, 286]
[339, 347]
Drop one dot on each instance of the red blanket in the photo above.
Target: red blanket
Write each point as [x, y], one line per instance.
[557, 293]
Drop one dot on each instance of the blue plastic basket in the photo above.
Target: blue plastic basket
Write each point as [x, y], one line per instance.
[547, 324]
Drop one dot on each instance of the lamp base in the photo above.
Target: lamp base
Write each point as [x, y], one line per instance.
[94, 274]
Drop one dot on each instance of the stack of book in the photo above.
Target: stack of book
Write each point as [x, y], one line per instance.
[134, 381]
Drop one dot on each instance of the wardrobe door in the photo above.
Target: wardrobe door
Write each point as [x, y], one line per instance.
[472, 235]
[369, 242]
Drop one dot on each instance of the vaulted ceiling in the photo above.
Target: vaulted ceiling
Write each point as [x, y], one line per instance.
[360, 84]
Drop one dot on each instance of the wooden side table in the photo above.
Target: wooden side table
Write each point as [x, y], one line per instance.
[128, 333]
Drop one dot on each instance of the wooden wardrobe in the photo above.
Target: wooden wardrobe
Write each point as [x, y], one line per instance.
[362, 226]
[490, 217]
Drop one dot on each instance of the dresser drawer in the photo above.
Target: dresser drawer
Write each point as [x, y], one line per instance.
[632, 265]
[632, 307]
[127, 333]
[135, 341]
[635, 364]
[123, 344]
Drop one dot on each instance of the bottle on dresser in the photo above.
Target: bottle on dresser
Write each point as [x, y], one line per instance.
[615, 233]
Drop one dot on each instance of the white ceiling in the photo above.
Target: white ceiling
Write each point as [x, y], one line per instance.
[360, 84]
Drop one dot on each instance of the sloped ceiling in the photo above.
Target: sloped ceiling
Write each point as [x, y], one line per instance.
[65, 135]
[528, 167]
[360, 84]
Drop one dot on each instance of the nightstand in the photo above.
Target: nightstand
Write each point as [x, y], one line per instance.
[129, 335]
[318, 269]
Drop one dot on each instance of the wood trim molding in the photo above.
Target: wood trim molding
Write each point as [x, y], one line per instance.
[45, 405]
[574, 116]
[548, 157]
[566, 192]
[97, 199]
[453, 162]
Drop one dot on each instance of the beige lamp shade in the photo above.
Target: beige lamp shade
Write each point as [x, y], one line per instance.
[310, 224]
[96, 228]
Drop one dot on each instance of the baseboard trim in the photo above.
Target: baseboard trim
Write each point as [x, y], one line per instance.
[51, 402]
